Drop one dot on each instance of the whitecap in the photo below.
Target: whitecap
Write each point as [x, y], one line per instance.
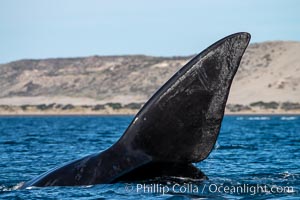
[259, 118]
[288, 118]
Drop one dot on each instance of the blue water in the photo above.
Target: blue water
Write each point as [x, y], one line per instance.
[255, 157]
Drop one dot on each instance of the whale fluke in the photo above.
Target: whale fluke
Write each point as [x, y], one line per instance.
[178, 126]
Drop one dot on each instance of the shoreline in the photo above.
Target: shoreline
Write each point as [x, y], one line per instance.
[129, 114]
[117, 109]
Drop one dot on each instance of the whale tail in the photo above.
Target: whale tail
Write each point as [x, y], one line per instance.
[178, 125]
[181, 121]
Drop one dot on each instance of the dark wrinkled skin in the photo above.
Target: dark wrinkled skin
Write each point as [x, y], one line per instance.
[179, 125]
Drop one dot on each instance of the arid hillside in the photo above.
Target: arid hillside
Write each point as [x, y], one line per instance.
[268, 80]
[269, 71]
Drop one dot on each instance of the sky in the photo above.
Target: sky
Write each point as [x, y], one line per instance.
[34, 29]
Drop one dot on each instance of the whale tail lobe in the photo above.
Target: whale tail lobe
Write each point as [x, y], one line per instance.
[181, 121]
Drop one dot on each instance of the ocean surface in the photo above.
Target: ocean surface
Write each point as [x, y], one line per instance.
[255, 157]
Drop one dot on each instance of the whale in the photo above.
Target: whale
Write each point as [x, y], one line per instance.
[177, 127]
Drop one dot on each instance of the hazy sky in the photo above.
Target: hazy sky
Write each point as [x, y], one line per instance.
[70, 28]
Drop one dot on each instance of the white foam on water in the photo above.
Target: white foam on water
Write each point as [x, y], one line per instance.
[288, 118]
[259, 118]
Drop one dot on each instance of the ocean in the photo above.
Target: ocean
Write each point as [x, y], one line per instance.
[255, 157]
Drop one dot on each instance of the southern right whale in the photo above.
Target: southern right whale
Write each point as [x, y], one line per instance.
[178, 126]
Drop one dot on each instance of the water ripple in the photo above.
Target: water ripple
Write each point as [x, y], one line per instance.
[250, 150]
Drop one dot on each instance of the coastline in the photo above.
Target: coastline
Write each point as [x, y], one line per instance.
[109, 111]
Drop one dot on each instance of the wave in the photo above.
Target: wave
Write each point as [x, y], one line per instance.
[288, 118]
[259, 118]
[4, 188]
